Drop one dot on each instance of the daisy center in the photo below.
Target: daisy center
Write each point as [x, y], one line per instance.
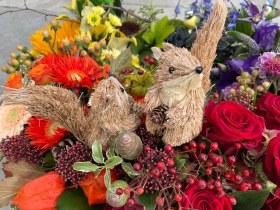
[93, 19]
[11, 117]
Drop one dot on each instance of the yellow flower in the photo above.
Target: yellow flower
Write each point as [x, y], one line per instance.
[93, 19]
[98, 10]
[104, 53]
[68, 30]
[13, 117]
[115, 21]
[110, 27]
[115, 53]
[136, 62]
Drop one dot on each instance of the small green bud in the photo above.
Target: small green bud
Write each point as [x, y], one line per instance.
[4, 68]
[241, 87]
[260, 88]
[102, 42]
[15, 62]
[20, 47]
[45, 33]
[27, 63]
[12, 70]
[13, 55]
[255, 73]
[9, 62]
[83, 53]
[251, 92]
[86, 39]
[65, 42]
[78, 38]
[54, 22]
[247, 80]
[245, 75]
[266, 85]
[232, 90]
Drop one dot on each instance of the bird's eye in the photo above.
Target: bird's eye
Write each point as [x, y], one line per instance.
[122, 89]
[171, 69]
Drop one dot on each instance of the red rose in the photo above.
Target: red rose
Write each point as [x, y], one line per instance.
[271, 165]
[204, 199]
[229, 121]
[269, 108]
[272, 202]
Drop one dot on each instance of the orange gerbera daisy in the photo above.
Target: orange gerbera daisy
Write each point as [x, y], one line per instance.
[76, 72]
[44, 133]
[41, 72]
[14, 81]
[68, 30]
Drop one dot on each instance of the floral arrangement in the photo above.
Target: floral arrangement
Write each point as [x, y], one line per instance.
[75, 129]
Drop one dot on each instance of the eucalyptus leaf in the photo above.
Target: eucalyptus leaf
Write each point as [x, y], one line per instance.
[179, 163]
[148, 200]
[113, 161]
[127, 167]
[85, 166]
[97, 155]
[110, 152]
[250, 200]
[122, 61]
[1, 156]
[107, 179]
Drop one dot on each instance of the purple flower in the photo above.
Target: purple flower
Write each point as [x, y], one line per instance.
[177, 8]
[233, 70]
[265, 37]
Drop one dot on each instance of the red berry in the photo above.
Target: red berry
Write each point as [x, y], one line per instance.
[140, 190]
[168, 148]
[192, 144]
[215, 95]
[254, 174]
[170, 162]
[190, 180]
[147, 148]
[130, 70]
[250, 187]
[214, 146]
[178, 197]
[243, 186]
[127, 191]
[237, 178]
[201, 183]
[209, 163]
[146, 58]
[151, 61]
[232, 200]
[227, 175]
[214, 158]
[220, 193]
[210, 185]
[155, 172]
[137, 166]
[217, 183]
[202, 157]
[179, 185]
[172, 170]
[220, 159]
[108, 71]
[130, 202]
[92, 79]
[119, 191]
[231, 159]
[208, 171]
[237, 145]
[140, 72]
[185, 147]
[245, 173]
[159, 200]
[123, 71]
[219, 189]
[257, 186]
[161, 166]
[201, 146]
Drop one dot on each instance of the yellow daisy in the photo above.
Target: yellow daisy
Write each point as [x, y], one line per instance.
[93, 19]
[115, 21]
[115, 53]
[68, 30]
[110, 27]
[98, 10]
[13, 117]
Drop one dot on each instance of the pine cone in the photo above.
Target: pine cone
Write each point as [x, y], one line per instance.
[158, 114]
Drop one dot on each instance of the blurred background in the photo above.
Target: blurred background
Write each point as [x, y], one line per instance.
[17, 26]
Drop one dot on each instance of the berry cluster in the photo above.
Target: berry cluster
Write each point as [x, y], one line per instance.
[66, 159]
[19, 148]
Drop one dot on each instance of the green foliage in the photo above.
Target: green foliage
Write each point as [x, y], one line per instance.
[150, 11]
[97, 152]
[127, 167]
[113, 161]
[148, 200]
[77, 7]
[75, 199]
[99, 2]
[244, 26]
[1, 156]
[123, 61]
[250, 200]
[158, 32]
[49, 161]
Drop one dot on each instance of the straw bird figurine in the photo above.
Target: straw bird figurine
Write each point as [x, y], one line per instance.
[110, 111]
[174, 105]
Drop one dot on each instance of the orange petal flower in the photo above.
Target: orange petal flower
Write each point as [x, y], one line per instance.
[44, 133]
[76, 72]
[14, 81]
[41, 72]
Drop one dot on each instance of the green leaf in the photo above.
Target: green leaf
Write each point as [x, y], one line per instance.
[113, 161]
[149, 37]
[250, 200]
[110, 152]
[148, 200]
[179, 163]
[244, 26]
[75, 199]
[85, 166]
[49, 161]
[162, 31]
[122, 61]
[135, 49]
[107, 179]
[1, 156]
[127, 167]
[97, 155]
[271, 15]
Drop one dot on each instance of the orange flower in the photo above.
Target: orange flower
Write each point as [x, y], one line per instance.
[14, 81]
[44, 133]
[95, 188]
[76, 72]
[41, 72]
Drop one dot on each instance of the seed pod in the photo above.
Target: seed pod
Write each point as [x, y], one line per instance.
[112, 198]
[128, 145]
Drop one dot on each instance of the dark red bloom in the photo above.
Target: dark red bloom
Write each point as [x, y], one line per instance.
[272, 202]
